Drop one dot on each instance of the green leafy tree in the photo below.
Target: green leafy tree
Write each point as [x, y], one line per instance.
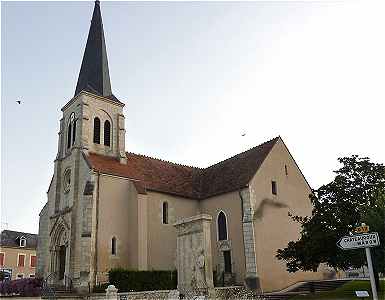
[355, 196]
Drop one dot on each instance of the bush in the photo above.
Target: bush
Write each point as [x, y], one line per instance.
[27, 287]
[127, 281]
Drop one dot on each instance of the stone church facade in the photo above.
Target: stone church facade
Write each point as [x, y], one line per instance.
[110, 208]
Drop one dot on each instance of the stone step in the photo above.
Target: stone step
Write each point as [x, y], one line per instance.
[63, 295]
[319, 286]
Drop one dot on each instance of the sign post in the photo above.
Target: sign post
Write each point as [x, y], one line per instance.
[364, 240]
[371, 273]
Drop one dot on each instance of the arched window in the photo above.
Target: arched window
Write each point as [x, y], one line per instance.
[97, 130]
[113, 246]
[107, 133]
[165, 213]
[69, 131]
[222, 226]
[73, 132]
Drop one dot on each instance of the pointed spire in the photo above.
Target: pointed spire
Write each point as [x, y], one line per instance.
[94, 76]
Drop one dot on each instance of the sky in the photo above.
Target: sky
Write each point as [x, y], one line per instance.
[194, 76]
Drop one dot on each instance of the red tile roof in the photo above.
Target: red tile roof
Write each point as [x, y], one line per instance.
[162, 176]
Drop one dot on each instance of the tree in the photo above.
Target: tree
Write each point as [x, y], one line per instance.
[355, 196]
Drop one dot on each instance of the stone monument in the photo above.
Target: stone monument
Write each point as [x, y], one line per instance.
[194, 259]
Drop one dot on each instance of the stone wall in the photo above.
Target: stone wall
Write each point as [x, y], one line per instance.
[144, 295]
[272, 226]
[226, 293]
[159, 234]
[230, 205]
[42, 243]
[105, 109]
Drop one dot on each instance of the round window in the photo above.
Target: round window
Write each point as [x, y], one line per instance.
[67, 180]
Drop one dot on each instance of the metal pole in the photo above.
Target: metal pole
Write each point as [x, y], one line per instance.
[371, 273]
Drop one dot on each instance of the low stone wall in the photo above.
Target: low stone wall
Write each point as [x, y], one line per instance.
[234, 292]
[223, 293]
[19, 298]
[144, 295]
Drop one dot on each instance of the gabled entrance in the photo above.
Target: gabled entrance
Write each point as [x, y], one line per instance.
[60, 256]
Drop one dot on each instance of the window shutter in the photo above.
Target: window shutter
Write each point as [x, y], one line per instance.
[33, 261]
[97, 130]
[21, 261]
[107, 133]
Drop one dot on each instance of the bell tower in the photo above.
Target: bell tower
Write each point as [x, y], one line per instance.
[93, 119]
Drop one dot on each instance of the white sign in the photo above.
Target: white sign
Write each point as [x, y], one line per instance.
[362, 294]
[359, 241]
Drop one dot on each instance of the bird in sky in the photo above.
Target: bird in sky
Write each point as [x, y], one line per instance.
[18, 101]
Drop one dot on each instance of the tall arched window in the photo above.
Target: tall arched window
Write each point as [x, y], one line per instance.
[165, 213]
[107, 133]
[222, 226]
[71, 131]
[113, 246]
[97, 130]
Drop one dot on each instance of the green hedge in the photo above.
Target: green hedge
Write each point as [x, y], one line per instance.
[127, 280]
[100, 288]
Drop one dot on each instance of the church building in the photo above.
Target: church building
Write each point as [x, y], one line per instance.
[111, 208]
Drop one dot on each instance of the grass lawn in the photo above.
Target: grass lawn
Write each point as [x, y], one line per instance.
[346, 292]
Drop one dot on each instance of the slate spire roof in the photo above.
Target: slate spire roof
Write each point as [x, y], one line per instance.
[94, 76]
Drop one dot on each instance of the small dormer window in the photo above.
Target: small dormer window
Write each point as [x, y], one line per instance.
[22, 242]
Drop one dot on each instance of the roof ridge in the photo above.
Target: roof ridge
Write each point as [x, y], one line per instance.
[222, 161]
[166, 161]
[19, 231]
[203, 169]
[188, 181]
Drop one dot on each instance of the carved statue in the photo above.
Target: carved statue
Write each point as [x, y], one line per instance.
[201, 259]
[198, 278]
